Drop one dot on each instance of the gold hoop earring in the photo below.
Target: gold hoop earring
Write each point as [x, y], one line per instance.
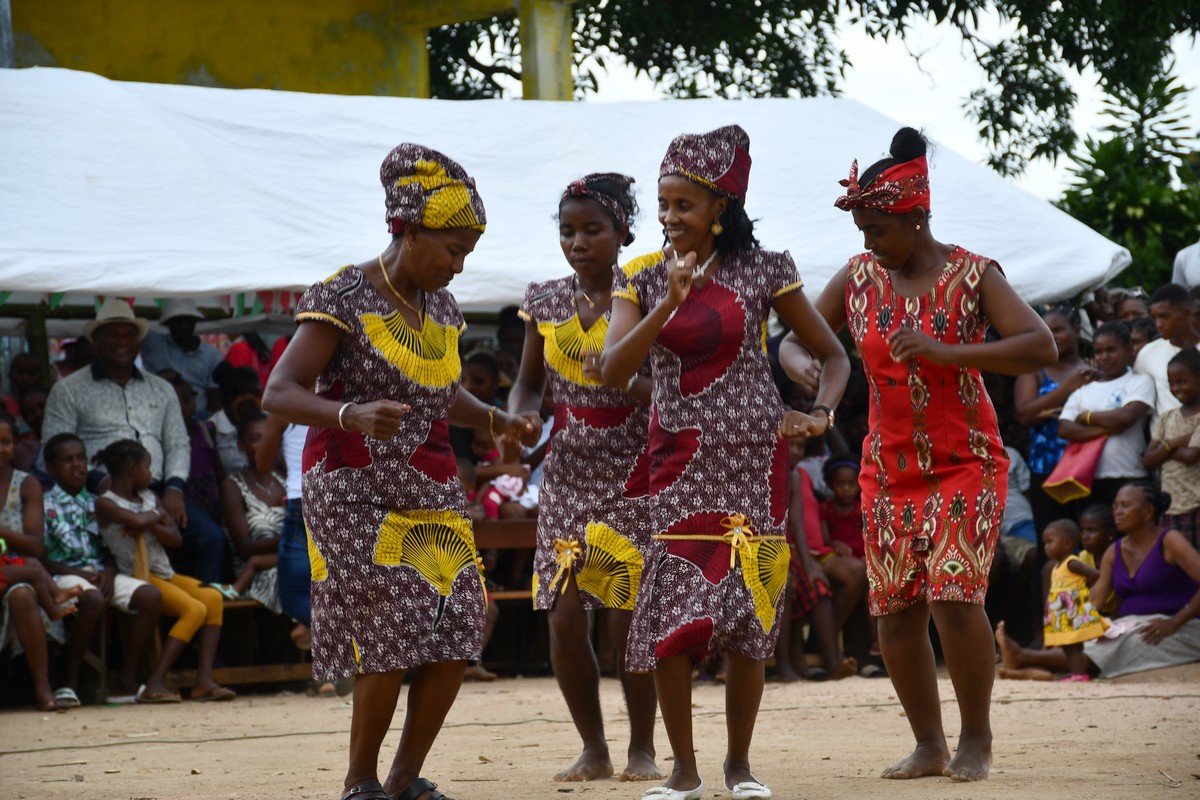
[717, 229]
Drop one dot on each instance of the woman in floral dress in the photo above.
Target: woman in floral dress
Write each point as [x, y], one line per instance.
[593, 534]
[935, 473]
[395, 583]
[718, 480]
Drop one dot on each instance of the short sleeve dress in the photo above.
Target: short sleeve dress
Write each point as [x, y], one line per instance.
[935, 474]
[395, 582]
[592, 520]
[718, 481]
[1071, 618]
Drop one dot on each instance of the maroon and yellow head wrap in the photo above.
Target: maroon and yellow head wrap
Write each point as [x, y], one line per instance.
[586, 188]
[425, 187]
[897, 190]
[719, 160]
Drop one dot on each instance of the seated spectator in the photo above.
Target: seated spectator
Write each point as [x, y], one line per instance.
[183, 351]
[28, 457]
[1175, 446]
[1155, 574]
[112, 399]
[1171, 307]
[841, 514]
[203, 536]
[21, 528]
[1039, 398]
[1013, 591]
[251, 351]
[254, 506]
[24, 375]
[1142, 331]
[76, 354]
[135, 528]
[293, 570]
[241, 393]
[1112, 406]
[77, 560]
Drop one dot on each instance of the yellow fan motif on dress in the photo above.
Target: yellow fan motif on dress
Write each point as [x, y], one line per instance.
[316, 561]
[612, 567]
[437, 544]
[566, 342]
[428, 356]
[765, 573]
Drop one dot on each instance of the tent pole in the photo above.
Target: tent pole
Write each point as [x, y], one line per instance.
[8, 55]
[39, 342]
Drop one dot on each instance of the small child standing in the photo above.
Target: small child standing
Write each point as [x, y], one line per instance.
[1175, 446]
[841, 514]
[1097, 530]
[1071, 619]
[135, 528]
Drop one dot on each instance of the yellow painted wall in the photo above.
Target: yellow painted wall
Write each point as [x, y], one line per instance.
[334, 46]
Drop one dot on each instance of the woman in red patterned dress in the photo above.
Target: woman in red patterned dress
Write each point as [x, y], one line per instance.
[593, 535]
[718, 476]
[935, 475]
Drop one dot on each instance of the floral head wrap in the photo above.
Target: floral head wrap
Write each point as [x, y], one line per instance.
[425, 187]
[897, 190]
[719, 160]
[585, 188]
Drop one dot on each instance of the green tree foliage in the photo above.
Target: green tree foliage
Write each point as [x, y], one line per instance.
[788, 48]
[1140, 186]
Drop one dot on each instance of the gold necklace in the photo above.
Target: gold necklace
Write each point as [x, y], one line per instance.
[399, 296]
[579, 286]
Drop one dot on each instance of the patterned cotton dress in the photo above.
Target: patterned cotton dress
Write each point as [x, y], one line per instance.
[395, 583]
[593, 515]
[718, 470]
[262, 522]
[1070, 616]
[935, 474]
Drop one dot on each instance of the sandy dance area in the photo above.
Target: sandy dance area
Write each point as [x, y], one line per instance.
[1136, 737]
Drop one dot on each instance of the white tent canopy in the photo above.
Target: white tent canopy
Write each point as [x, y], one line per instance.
[146, 190]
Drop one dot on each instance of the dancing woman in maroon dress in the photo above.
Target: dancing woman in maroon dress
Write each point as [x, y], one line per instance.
[593, 533]
[374, 369]
[718, 481]
[935, 474]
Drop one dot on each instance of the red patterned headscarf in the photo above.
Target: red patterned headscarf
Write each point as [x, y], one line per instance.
[585, 188]
[897, 190]
[719, 160]
[425, 187]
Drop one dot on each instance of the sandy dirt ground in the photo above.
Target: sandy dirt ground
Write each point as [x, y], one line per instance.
[1137, 737]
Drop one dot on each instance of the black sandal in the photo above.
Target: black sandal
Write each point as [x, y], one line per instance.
[419, 787]
[367, 790]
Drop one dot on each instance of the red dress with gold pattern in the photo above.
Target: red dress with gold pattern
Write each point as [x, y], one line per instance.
[718, 477]
[935, 474]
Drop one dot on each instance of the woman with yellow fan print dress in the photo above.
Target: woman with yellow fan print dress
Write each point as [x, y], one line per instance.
[593, 529]
[395, 585]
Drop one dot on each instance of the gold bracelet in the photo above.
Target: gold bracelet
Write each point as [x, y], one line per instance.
[1166, 445]
[1087, 419]
[492, 421]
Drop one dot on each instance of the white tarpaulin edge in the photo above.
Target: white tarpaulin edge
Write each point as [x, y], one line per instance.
[151, 190]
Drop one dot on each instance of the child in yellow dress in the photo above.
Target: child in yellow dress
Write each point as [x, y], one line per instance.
[1071, 619]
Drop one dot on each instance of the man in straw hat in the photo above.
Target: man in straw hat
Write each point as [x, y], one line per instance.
[112, 399]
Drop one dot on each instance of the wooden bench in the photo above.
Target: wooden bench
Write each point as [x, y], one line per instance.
[242, 636]
[496, 534]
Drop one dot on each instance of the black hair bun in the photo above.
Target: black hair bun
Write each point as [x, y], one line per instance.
[1164, 501]
[907, 144]
[628, 239]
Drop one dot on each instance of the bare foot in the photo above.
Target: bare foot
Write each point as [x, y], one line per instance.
[641, 767]
[61, 611]
[848, 667]
[971, 761]
[785, 674]
[1008, 648]
[302, 636]
[66, 595]
[926, 760]
[477, 672]
[590, 766]
[1026, 674]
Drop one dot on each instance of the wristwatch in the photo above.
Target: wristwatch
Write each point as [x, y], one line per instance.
[828, 412]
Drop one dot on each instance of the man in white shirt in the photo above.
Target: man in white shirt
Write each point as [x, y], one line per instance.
[1171, 308]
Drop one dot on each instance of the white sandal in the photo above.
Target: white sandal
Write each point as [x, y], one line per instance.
[667, 793]
[751, 790]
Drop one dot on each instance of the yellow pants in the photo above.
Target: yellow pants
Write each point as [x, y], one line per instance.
[193, 604]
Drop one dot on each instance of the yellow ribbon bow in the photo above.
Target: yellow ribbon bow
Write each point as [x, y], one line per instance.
[737, 535]
[565, 555]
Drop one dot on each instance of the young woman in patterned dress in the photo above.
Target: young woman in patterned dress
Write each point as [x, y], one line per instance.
[395, 584]
[593, 535]
[718, 480]
[935, 477]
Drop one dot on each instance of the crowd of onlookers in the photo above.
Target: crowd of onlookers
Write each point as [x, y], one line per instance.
[148, 480]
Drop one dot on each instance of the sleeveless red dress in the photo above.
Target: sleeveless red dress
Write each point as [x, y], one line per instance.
[935, 474]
